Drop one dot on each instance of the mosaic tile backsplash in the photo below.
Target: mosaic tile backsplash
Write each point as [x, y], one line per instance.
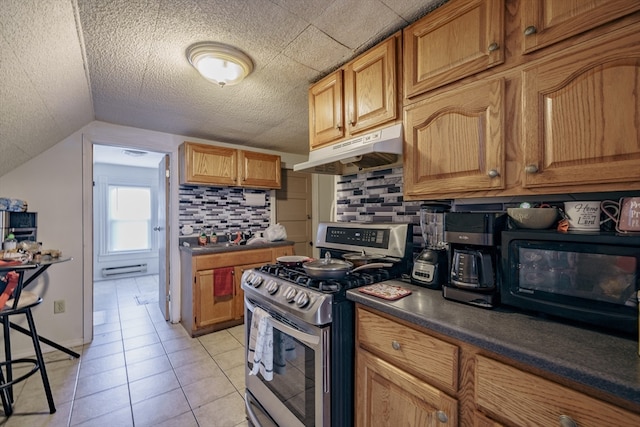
[377, 197]
[222, 208]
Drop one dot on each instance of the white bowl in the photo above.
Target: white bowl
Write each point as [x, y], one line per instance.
[533, 218]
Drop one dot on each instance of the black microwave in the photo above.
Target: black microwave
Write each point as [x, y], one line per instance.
[588, 277]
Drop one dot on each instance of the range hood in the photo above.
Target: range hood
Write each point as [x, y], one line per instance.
[378, 148]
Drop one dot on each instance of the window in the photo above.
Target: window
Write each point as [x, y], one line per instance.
[129, 218]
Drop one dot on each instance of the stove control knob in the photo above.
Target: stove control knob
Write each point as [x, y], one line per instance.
[290, 294]
[256, 281]
[302, 299]
[272, 287]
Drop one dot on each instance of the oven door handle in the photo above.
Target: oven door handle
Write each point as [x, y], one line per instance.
[312, 340]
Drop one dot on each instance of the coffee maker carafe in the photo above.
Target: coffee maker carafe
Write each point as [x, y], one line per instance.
[430, 267]
[473, 240]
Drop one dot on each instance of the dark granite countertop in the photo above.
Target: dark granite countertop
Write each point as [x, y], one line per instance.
[217, 248]
[599, 360]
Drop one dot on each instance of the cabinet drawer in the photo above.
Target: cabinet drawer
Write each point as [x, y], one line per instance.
[521, 398]
[418, 353]
[231, 259]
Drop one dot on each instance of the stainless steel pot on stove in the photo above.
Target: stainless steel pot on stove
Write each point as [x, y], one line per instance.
[329, 268]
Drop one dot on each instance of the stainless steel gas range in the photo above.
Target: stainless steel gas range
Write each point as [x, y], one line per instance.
[313, 328]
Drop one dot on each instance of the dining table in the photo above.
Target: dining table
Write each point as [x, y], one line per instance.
[30, 271]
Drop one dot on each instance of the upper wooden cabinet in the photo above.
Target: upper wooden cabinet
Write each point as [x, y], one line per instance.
[204, 164]
[326, 110]
[454, 142]
[360, 96]
[458, 39]
[259, 170]
[581, 113]
[545, 22]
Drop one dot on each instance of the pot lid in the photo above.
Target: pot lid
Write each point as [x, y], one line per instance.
[328, 264]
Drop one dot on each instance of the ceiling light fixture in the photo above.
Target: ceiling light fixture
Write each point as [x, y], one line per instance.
[134, 153]
[219, 63]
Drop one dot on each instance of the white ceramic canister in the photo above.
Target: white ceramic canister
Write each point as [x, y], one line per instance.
[583, 216]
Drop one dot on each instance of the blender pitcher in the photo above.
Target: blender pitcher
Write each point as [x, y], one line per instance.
[430, 268]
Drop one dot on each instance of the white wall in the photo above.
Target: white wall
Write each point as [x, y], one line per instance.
[57, 185]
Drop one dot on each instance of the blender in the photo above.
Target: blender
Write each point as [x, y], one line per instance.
[430, 269]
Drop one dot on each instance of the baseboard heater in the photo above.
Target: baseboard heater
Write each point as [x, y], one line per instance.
[124, 269]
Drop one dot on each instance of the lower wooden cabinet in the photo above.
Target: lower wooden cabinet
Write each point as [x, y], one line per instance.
[211, 293]
[388, 396]
[523, 399]
[408, 376]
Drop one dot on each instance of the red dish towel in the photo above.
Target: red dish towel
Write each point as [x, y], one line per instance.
[223, 282]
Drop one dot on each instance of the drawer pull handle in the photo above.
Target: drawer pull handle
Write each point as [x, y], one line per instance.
[442, 416]
[395, 345]
[567, 421]
[530, 30]
[493, 173]
[530, 169]
[493, 47]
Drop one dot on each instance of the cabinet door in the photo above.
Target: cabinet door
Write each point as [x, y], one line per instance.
[388, 396]
[211, 309]
[581, 114]
[259, 170]
[455, 142]
[523, 399]
[456, 40]
[207, 164]
[545, 22]
[370, 88]
[326, 110]
[239, 293]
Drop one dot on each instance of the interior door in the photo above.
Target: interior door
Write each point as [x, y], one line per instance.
[163, 243]
[293, 210]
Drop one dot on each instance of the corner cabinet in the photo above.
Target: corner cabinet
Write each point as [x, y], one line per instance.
[211, 293]
[455, 142]
[203, 164]
[456, 40]
[360, 96]
[581, 115]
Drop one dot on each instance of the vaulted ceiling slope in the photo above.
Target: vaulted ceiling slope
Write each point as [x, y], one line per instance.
[65, 63]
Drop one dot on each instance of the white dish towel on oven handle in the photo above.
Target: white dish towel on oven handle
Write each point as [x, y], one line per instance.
[261, 344]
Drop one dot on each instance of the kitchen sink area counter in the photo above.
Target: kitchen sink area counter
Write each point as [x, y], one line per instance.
[216, 248]
[600, 371]
[211, 298]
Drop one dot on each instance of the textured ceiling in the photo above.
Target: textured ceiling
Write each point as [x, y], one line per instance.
[65, 63]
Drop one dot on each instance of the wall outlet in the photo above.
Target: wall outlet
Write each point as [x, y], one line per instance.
[58, 306]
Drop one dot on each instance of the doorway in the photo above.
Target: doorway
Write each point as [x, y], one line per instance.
[130, 194]
[293, 210]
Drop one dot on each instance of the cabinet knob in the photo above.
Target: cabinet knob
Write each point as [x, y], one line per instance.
[567, 421]
[338, 126]
[531, 169]
[442, 416]
[395, 345]
[493, 47]
[530, 30]
[493, 173]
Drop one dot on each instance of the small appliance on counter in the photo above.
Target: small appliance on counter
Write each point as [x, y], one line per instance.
[588, 277]
[22, 225]
[430, 269]
[474, 247]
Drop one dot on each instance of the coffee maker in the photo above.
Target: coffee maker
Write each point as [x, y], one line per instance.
[430, 267]
[474, 251]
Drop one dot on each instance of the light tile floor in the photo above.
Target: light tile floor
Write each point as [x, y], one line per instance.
[139, 370]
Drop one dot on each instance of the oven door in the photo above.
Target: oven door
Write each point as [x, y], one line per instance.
[298, 394]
